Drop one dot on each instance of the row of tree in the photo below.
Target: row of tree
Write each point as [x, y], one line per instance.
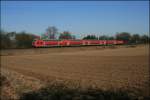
[16, 40]
[24, 39]
[135, 38]
[52, 32]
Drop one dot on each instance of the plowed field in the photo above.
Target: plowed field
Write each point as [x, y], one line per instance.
[106, 68]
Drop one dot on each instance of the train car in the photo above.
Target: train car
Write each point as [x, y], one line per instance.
[45, 43]
[51, 43]
[85, 42]
[93, 42]
[38, 43]
[120, 42]
[75, 42]
[70, 43]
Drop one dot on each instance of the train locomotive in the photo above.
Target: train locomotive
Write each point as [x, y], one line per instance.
[60, 43]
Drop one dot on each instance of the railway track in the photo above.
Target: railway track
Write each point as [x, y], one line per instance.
[55, 49]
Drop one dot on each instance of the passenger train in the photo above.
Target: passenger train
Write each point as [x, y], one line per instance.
[61, 43]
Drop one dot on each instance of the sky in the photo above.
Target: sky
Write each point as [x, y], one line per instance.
[79, 17]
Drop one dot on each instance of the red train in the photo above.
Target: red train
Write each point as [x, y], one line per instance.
[51, 43]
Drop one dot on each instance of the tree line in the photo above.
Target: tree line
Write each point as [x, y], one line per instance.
[16, 40]
[128, 37]
[24, 39]
[52, 32]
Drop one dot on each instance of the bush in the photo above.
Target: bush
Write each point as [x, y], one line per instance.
[24, 40]
[62, 92]
[15, 40]
[4, 40]
[2, 80]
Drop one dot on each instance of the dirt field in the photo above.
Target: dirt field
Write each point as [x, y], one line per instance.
[122, 67]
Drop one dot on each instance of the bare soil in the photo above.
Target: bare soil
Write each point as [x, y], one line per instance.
[121, 67]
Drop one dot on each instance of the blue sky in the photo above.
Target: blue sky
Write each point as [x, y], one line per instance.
[78, 17]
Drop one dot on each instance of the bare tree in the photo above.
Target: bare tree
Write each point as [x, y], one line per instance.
[66, 35]
[135, 38]
[51, 32]
[90, 37]
[103, 37]
[144, 39]
[123, 36]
